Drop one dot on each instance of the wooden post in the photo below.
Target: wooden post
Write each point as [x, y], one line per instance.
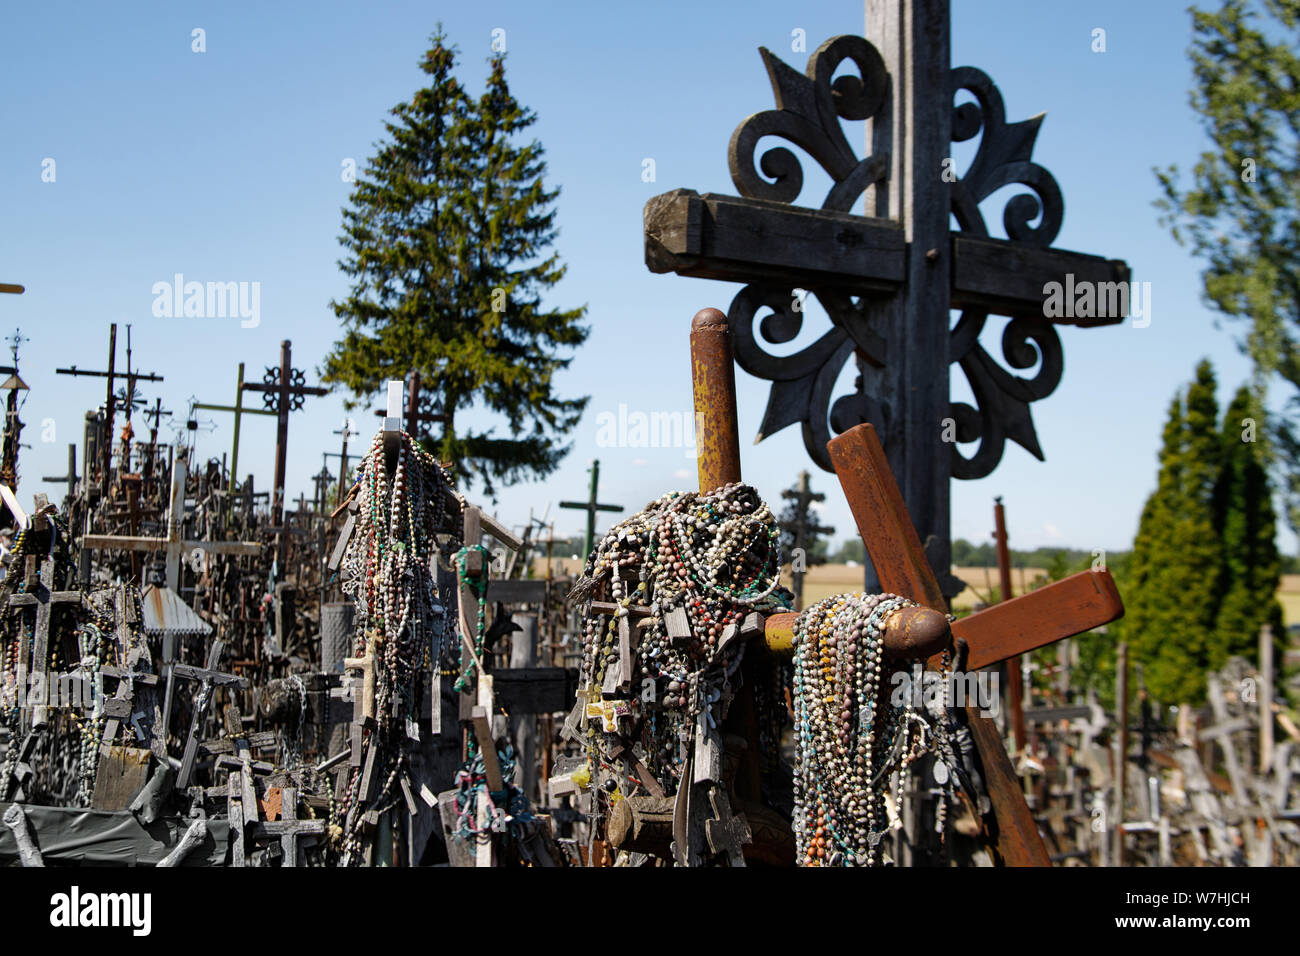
[1015, 683]
[1265, 697]
[1121, 751]
[914, 129]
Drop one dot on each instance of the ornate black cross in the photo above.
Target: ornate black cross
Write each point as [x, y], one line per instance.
[283, 389]
[889, 278]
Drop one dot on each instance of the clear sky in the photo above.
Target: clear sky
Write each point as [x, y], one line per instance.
[226, 165]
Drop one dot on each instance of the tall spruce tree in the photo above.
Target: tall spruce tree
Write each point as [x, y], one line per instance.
[1247, 525]
[447, 236]
[1177, 566]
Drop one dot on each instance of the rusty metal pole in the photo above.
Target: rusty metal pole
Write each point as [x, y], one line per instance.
[1015, 682]
[713, 381]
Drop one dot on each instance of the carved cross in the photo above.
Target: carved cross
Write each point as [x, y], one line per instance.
[289, 829]
[889, 277]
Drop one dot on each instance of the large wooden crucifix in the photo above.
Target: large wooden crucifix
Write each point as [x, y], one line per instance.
[1068, 607]
[889, 278]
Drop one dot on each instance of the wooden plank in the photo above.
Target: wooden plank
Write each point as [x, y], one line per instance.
[121, 773]
[882, 517]
[517, 592]
[712, 236]
[535, 690]
[1008, 277]
[902, 568]
[1068, 607]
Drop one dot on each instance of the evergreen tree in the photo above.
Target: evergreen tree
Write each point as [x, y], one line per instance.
[447, 236]
[1177, 566]
[1247, 523]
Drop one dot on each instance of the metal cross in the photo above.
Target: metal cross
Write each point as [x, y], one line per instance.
[283, 389]
[591, 507]
[888, 278]
[209, 679]
[110, 402]
[239, 411]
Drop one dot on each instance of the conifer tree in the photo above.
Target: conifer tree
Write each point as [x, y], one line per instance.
[1177, 567]
[1247, 524]
[447, 238]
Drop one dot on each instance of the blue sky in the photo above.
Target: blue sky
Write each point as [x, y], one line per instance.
[225, 166]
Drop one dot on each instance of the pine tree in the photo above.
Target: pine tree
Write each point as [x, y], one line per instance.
[1247, 524]
[447, 237]
[1176, 573]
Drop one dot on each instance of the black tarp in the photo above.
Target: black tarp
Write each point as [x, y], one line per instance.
[74, 836]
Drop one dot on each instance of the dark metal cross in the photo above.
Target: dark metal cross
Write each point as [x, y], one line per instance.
[347, 432]
[804, 529]
[889, 278]
[591, 507]
[110, 403]
[283, 389]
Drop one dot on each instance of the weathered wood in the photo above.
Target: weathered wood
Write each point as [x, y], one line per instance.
[1062, 609]
[121, 773]
[901, 564]
[711, 236]
[535, 690]
[1008, 277]
[642, 824]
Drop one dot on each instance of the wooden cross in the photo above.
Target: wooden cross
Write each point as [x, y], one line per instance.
[123, 705]
[591, 507]
[1071, 606]
[289, 829]
[889, 278]
[209, 679]
[173, 545]
[110, 403]
[41, 595]
[283, 390]
[342, 455]
[239, 411]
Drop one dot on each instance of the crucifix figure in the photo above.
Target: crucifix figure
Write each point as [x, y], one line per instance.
[591, 507]
[209, 679]
[889, 276]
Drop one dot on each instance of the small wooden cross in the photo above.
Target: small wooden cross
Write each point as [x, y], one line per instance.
[289, 829]
[369, 676]
[726, 833]
[45, 599]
